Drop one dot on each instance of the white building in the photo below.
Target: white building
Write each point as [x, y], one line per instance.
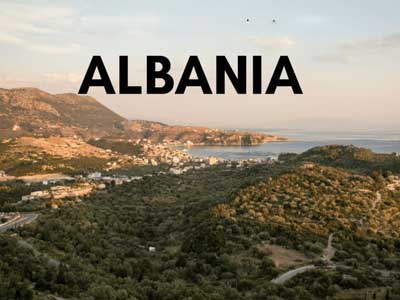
[94, 176]
[212, 160]
[175, 171]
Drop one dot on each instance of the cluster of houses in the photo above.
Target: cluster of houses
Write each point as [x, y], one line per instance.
[85, 185]
[198, 163]
[95, 181]
[60, 192]
[211, 161]
[151, 155]
[155, 154]
[116, 180]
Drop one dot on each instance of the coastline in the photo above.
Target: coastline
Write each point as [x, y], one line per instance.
[275, 139]
[292, 145]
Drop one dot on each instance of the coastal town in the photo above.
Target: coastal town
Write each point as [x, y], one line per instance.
[54, 187]
[82, 185]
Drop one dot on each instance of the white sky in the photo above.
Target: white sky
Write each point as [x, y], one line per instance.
[346, 54]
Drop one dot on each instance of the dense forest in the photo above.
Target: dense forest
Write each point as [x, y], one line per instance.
[216, 233]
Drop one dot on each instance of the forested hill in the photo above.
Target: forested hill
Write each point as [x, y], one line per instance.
[348, 157]
[222, 232]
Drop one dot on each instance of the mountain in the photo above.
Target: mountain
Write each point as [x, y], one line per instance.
[32, 112]
[158, 132]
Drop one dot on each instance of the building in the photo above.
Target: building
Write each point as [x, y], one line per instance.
[271, 158]
[308, 165]
[94, 176]
[175, 171]
[212, 160]
[60, 192]
[118, 181]
[101, 186]
[36, 195]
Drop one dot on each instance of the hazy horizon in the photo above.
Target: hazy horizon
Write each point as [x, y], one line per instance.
[345, 54]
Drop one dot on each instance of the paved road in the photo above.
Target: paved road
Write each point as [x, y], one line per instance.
[328, 254]
[20, 221]
[289, 275]
[329, 251]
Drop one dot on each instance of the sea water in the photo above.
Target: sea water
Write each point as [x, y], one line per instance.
[380, 141]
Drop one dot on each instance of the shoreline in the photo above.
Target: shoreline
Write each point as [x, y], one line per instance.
[231, 145]
[285, 140]
[296, 146]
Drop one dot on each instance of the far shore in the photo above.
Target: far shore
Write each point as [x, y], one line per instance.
[233, 145]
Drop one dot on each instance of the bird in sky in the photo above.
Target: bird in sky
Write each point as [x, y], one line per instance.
[273, 21]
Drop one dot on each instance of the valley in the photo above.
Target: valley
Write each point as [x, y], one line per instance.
[168, 236]
[117, 212]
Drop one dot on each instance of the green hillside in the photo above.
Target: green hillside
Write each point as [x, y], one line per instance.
[216, 233]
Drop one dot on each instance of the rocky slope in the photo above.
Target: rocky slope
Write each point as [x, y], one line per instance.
[37, 155]
[32, 112]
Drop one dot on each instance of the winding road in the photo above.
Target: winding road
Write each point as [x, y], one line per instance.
[21, 220]
[281, 279]
[327, 255]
